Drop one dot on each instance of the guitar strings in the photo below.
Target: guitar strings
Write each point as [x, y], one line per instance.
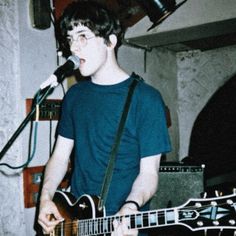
[110, 219]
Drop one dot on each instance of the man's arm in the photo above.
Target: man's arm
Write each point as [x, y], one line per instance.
[144, 187]
[54, 173]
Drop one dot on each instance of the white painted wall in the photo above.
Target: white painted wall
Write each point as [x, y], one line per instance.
[191, 13]
[38, 60]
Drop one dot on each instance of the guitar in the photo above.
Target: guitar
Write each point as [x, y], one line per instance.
[83, 219]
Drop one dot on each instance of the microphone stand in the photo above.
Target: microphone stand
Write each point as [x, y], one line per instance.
[43, 94]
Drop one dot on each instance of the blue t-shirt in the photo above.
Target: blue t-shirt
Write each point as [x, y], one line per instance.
[90, 116]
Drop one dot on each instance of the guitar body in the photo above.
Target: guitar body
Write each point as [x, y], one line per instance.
[72, 210]
[83, 219]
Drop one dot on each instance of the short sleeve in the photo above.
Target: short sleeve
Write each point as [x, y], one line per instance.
[65, 125]
[152, 126]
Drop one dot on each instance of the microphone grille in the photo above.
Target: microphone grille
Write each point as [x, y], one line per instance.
[75, 60]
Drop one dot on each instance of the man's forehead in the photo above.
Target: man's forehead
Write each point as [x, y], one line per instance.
[79, 29]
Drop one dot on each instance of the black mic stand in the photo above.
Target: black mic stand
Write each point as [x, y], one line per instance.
[43, 95]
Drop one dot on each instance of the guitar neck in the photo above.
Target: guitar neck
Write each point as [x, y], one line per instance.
[141, 220]
[196, 214]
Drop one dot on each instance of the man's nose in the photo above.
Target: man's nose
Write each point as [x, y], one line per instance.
[75, 47]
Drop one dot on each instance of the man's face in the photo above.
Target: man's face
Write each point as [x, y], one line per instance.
[91, 49]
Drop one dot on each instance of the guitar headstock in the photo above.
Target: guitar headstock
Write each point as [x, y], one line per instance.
[209, 213]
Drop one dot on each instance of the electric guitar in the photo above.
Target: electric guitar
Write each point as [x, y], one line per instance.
[83, 219]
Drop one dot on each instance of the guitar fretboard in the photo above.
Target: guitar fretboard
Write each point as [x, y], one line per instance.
[135, 221]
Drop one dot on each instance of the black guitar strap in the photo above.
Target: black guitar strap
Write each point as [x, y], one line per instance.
[111, 163]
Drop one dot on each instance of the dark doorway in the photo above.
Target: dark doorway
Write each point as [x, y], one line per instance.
[213, 137]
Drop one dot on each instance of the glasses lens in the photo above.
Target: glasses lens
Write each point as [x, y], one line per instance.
[82, 40]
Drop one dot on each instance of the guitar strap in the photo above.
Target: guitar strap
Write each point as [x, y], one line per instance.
[111, 163]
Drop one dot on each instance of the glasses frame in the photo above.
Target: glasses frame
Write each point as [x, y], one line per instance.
[81, 39]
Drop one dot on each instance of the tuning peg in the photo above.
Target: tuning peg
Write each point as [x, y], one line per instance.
[218, 193]
[204, 194]
[234, 190]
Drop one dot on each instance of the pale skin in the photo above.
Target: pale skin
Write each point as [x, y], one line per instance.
[99, 61]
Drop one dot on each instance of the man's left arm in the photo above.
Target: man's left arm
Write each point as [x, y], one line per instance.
[144, 187]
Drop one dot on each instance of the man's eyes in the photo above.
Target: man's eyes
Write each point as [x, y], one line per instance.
[77, 37]
[69, 39]
[82, 36]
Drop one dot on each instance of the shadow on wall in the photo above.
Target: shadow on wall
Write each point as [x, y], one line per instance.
[213, 137]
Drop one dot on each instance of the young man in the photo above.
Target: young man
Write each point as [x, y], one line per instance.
[90, 117]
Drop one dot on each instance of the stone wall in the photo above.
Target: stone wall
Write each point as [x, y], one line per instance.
[11, 194]
[200, 74]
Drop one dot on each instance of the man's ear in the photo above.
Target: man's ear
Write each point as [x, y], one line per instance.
[112, 41]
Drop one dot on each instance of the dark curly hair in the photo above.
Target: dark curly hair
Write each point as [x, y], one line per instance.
[101, 21]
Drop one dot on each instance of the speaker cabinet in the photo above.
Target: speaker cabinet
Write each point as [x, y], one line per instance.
[177, 184]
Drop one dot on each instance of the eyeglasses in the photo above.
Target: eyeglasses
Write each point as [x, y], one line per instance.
[80, 39]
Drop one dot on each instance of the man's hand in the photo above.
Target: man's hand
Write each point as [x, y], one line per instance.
[49, 216]
[122, 228]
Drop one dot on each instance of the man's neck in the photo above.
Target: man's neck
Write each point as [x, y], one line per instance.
[110, 74]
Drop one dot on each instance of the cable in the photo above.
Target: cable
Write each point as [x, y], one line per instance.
[30, 158]
[63, 89]
[50, 135]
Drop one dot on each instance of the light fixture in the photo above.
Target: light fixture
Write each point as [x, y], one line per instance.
[159, 10]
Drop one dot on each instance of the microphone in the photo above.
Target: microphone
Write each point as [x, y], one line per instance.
[61, 72]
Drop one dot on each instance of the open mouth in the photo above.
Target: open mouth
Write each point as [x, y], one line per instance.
[82, 61]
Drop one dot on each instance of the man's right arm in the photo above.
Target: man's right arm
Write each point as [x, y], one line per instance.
[54, 173]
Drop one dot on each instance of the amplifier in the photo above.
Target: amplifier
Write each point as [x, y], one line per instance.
[178, 183]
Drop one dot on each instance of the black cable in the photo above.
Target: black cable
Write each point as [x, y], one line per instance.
[63, 89]
[30, 157]
[50, 135]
